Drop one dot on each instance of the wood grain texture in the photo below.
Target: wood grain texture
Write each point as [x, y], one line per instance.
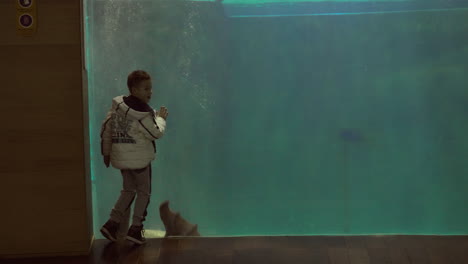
[338, 255]
[58, 22]
[274, 250]
[43, 162]
[358, 256]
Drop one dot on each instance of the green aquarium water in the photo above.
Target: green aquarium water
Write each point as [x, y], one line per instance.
[286, 122]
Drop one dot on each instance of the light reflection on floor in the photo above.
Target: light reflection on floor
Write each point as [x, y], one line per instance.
[154, 233]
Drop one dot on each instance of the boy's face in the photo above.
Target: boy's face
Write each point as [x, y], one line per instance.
[143, 91]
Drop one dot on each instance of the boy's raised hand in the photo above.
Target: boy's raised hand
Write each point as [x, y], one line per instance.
[163, 112]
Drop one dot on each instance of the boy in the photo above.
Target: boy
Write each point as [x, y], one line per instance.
[127, 142]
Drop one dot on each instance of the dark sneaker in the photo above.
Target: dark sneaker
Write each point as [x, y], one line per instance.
[109, 230]
[136, 235]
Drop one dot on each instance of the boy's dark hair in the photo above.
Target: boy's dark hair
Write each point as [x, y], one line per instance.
[136, 77]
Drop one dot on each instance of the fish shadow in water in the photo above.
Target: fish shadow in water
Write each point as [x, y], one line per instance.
[351, 135]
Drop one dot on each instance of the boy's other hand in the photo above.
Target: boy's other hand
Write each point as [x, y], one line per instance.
[107, 161]
[163, 112]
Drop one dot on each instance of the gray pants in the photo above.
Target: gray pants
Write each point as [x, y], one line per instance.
[135, 183]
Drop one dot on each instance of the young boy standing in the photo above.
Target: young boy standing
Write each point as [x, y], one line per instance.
[128, 137]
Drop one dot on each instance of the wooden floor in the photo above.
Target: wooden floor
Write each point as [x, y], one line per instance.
[272, 250]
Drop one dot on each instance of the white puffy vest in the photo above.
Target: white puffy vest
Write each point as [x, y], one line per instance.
[128, 136]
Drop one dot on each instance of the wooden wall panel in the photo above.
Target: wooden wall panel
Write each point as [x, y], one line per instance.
[43, 174]
[58, 23]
